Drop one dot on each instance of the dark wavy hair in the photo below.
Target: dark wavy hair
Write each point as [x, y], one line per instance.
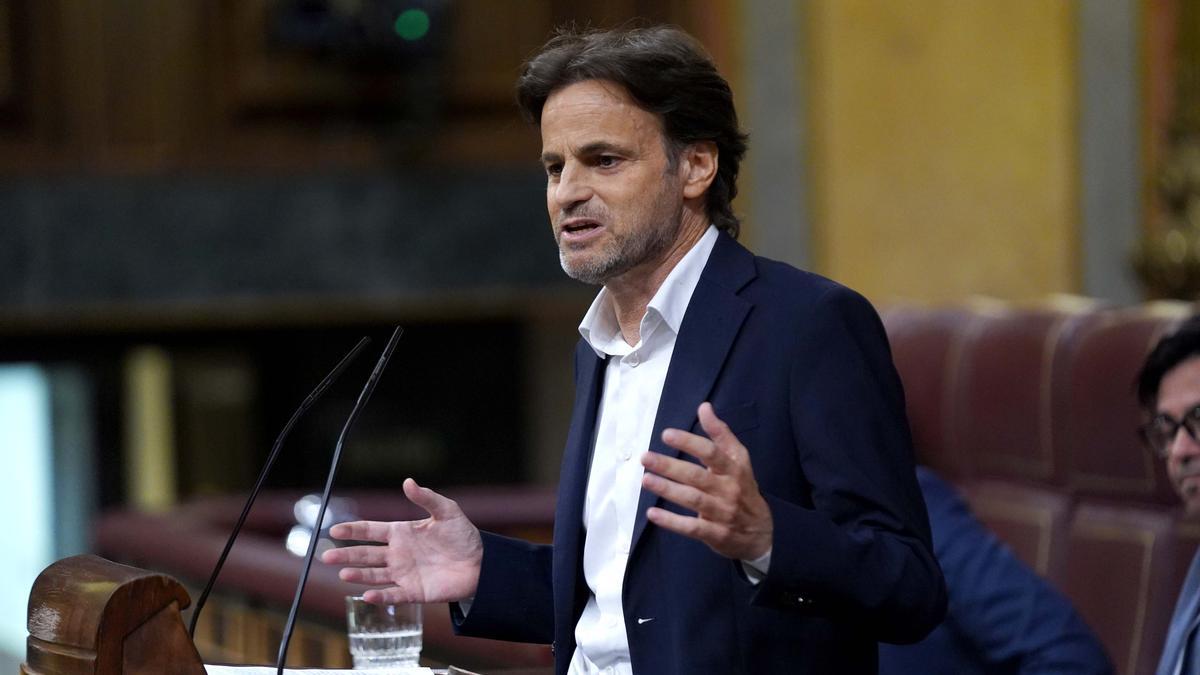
[1172, 350]
[669, 74]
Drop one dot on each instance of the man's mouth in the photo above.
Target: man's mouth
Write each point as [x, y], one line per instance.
[1189, 484]
[579, 229]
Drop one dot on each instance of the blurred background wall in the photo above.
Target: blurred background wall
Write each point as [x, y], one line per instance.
[203, 204]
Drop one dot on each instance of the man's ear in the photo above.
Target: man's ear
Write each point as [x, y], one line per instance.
[699, 166]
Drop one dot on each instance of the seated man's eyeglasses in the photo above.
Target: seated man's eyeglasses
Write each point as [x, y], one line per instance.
[1159, 433]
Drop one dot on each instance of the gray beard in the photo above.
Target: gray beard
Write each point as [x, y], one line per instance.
[621, 255]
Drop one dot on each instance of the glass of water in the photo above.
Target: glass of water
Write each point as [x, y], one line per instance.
[383, 636]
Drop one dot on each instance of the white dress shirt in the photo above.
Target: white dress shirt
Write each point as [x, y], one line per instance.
[633, 383]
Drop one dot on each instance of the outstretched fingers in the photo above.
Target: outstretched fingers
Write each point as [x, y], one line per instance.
[695, 445]
[371, 576]
[359, 556]
[732, 517]
[441, 508]
[696, 528]
[726, 442]
[361, 530]
[721, 452]
[687, 496]
[388, 596]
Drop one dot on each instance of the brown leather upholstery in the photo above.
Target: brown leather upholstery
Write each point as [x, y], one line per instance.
[1032, 412]
[1098, 414]
[1002, 405]
[1119, 559]
[1031, 520]
[922, 347]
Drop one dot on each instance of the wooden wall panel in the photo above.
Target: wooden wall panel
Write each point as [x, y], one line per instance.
[6, 53]
[261, 78]
[151, 56]
[490, 42]
[122, 86]
[13, 71]
[29, 120]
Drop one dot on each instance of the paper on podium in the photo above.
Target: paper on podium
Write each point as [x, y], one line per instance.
[271, 670]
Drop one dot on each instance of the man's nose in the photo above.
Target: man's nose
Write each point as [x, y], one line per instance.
[1183, 446]
[573, 187]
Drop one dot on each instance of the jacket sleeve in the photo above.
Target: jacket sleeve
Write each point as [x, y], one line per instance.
[514, 600]
[860, 553]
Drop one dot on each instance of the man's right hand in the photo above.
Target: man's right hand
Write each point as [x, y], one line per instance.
[432, 560]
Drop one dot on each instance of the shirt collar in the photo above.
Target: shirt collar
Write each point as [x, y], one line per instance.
[599, 326]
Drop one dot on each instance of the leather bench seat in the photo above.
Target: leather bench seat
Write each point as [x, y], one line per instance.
[1031, 412]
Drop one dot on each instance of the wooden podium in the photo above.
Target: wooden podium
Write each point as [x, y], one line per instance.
[90, 616]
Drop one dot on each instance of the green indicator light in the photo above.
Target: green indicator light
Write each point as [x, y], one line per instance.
[412, 24]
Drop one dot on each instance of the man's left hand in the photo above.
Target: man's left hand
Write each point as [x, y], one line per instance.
[731, 515]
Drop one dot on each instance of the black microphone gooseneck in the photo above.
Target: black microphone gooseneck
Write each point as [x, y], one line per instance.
[262, 476]
[363, 397]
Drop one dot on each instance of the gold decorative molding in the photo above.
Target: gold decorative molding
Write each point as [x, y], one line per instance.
[1167, 259]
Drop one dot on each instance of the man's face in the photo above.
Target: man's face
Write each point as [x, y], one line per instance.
[614, 201]
[1178, 394]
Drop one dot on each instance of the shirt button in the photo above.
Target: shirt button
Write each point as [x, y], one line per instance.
[633, 360]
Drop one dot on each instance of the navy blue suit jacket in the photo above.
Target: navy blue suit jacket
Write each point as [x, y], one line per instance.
[800, 369]
[1003, 619]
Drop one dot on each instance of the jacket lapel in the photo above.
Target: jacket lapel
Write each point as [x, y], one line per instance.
[572, 484]
[1183, 623]
[714, 316]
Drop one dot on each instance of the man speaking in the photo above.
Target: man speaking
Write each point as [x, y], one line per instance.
[737, 492]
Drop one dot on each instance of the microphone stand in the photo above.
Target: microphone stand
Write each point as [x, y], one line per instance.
[262, 476]
[363, 397]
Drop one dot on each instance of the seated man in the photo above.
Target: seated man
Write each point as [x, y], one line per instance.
[1002, 618]
[1168, 390]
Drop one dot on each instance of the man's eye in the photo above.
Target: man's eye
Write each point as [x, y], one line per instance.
[607, 161]
[1165, 425]
[553, 170]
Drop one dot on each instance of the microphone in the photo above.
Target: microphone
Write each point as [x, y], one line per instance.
[363, 397]
[262, 476]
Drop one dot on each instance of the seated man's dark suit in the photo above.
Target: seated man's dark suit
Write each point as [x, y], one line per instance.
[1003, 618]
[800, 369]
